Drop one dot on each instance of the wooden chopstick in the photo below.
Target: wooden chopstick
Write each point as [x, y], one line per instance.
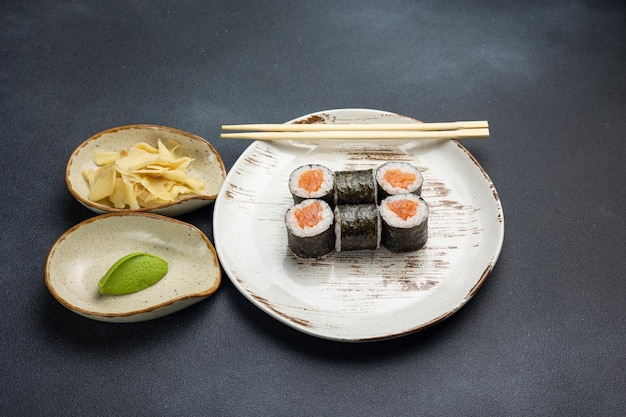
[365, 131]
[365, 135]
[317, 127]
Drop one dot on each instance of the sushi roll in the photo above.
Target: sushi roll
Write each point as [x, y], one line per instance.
[355, 187]
[310, 232]
[357, 227]
[312, 181]
[398, 178]
[404, 222]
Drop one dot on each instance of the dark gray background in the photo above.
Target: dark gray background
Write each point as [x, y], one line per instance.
[545, 335]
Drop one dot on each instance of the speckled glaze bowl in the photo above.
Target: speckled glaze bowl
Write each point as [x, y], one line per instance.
[207, 166]
[83, 254]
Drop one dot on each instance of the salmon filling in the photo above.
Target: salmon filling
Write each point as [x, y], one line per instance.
[404, 209]
[311, 180]
[398, 178]
[309, 216]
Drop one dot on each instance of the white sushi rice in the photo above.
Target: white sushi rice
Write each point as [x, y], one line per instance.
[393, 220]
[337, 214]
[326, 221]
[328, 185]
[402, 166]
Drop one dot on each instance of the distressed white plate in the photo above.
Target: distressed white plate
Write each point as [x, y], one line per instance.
[361, 295]
[83, 254]
[207, 166]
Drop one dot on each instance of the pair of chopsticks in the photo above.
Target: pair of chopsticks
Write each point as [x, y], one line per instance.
[478, 129]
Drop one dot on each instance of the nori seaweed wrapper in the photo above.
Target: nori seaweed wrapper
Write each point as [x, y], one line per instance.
[399, 239]
[328, 198]
[355, 187]
[312, 246]
[359, 226]
[382, 194]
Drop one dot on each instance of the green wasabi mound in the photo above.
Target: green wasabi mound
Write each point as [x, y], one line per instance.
[133, 273]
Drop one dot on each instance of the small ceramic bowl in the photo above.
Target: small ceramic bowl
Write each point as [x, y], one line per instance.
[207, 166]
[83, 254]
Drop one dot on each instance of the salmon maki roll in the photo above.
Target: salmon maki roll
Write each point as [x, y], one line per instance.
[357, 227]
[355, 187]
[312, 181]
[310, 231]
[404, 222]
[398, 178]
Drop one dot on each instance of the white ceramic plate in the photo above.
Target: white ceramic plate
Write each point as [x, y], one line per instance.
[83, 254]
[360, 295]
[207, 166]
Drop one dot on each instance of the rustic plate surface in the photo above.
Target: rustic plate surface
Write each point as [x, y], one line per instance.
[360, 295]
[83, 254]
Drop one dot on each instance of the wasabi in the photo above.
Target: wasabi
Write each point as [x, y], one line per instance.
[133, 273]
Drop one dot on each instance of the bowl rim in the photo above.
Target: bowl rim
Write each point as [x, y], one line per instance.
[109, 209]
[68, 304]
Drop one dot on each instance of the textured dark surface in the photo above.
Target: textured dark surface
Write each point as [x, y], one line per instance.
[545, 335]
